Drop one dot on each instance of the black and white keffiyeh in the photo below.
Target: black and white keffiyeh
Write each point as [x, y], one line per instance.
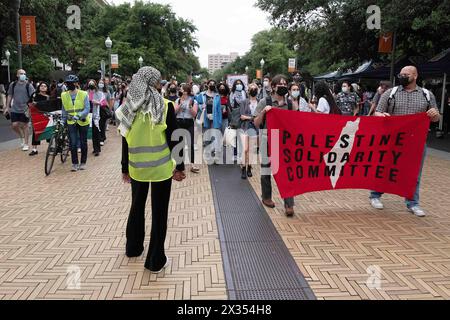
[142, 97]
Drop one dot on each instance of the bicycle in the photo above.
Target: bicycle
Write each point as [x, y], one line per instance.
[59, 143]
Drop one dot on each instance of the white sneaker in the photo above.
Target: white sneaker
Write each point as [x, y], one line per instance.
[82, 167]
[162, 269]
[417, 211]
[25, 147]
[22, 142]
[377, 204]
[74, 168]
[102, 144]
[79, 150]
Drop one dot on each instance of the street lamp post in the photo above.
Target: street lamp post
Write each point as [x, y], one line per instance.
[246, 70]
[8, 54]
[141, 61]
[19, 42]
[108, 44]
[262, 68]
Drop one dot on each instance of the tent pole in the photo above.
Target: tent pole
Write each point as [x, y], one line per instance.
[441, 122]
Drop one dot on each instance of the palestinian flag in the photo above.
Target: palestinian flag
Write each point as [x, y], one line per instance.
[44, 126]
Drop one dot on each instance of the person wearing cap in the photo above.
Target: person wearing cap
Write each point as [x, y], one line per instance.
[75, 113]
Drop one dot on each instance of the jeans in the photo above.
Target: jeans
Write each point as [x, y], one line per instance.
[188, 124]
[78, 137]
[409, 202]
[160, 197]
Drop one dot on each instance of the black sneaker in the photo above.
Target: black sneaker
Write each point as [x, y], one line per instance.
[244, 173]
[33, 153]
[249, 172]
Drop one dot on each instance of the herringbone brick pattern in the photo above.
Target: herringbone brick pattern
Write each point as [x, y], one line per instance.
[54, 228]
[336, 236]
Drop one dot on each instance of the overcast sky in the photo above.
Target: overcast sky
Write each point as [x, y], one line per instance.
[224, 26]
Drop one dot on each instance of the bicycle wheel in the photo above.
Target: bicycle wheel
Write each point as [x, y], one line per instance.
[50, 156]
[65, 148]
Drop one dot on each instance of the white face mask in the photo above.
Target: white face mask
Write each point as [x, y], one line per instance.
[345, 89]
[266, 84]
[295, 94]
[101, 85]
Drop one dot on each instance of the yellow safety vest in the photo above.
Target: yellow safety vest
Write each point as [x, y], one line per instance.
[149, 156]
[73, 109]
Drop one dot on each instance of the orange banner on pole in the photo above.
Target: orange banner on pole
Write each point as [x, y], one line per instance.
[28, 30]
[385, 44]
[258, 74]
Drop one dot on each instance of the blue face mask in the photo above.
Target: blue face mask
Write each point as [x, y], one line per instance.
[239, 87]
[295, 94]
[22, 77]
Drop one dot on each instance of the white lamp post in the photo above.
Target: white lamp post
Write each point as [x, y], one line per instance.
[141, 61]
[262, 62]
[108, 44]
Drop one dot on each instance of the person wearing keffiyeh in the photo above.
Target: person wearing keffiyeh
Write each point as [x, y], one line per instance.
[146, 159]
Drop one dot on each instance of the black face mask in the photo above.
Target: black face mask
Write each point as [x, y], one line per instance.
[282, 91]
[71, 86]
[212, 88]
[222, 91]
[253, 93]
[404, 81]
[173, 90]
[180, 94]
[92, 87]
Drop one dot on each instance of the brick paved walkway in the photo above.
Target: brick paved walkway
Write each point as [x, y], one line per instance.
[51, 226]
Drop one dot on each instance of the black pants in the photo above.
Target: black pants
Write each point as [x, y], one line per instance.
[188, 124]
[160, 194]
[103, 120]
[96, 138]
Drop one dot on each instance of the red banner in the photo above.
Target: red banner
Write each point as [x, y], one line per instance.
[28, 30]
[315, 152]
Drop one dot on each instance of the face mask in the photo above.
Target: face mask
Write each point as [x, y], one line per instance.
[180, 94]
[345, 89]
[22, 77]
[295, 94]
[212, 88]
[195, 90]
[71, 86]
[173, 90]
[297, 79]
[239, 87]
[282, 91]
[253, 93]
[222, 91]
[101, 85]
[404, 81]
[91, 86]
[266, 84]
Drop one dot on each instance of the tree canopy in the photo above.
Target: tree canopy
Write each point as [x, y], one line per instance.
[329, 34]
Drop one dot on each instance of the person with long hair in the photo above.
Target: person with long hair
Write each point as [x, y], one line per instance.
[325, 100]
[42, 94]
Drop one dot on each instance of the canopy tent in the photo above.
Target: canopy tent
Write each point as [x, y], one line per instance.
[365, 67]
[335, 75]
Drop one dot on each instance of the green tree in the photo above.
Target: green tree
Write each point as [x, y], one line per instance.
[331, 34]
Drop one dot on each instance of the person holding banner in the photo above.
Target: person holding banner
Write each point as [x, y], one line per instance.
[276, 100]
[408, 98]
[75, 113]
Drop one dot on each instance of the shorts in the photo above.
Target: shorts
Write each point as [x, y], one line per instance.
[19, 117]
